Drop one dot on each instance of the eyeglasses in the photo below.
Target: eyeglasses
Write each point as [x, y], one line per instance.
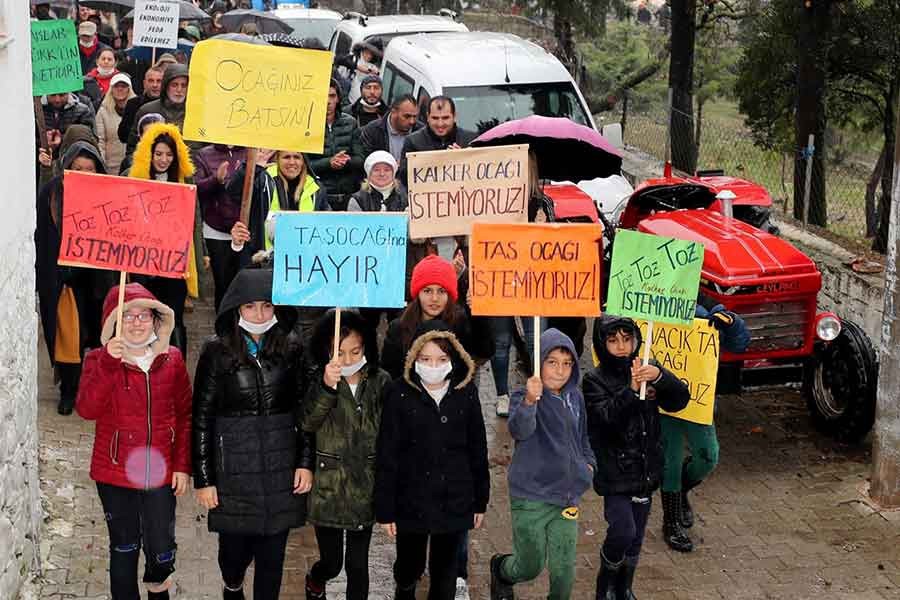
[144, 317]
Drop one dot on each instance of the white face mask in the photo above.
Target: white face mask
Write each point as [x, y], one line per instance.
[432, 375]
[150, 339]
[257, 328]
[86, 44]
[105, 71]
[350, 371]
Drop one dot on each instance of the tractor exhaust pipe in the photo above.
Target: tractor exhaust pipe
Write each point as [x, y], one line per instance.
[726, 197]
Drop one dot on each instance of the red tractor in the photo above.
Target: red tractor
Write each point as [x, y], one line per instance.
[763, 278]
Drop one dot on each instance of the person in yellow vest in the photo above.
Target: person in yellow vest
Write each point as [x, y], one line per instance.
[162, 155]
[287, 184]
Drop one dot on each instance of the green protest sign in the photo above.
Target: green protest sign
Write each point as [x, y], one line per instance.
[55, 61]
[654, 278]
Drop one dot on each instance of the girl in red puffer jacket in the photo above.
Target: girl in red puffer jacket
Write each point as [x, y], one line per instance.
[137, 389]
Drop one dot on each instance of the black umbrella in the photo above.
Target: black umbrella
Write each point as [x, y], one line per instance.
[265, 22]
[186, 12]
[239, 37]
[107, 5]
[280, 39]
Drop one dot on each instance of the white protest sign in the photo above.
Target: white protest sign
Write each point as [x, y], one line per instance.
[156, 23]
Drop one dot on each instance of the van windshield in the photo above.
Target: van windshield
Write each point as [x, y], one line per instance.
[478, 108]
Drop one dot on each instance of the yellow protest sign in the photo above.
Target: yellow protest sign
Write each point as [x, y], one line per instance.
[692, 355]
[257, 96]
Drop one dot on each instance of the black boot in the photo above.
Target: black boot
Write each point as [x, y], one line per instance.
[500, 588]
[607, 578]
[163, 595]
[676, 537]
[314, 590]
[405, 593]
[687, 513]
[626, 578]
[66, 405]
[232, 594]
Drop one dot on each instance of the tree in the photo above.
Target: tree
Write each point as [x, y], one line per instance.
[681, 82]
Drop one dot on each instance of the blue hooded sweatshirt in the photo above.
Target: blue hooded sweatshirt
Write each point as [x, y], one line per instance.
[553, 451]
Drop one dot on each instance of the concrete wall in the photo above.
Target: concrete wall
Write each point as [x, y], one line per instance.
[20, 512]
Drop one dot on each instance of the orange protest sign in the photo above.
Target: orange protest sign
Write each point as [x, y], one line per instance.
[535, 269]
[125, 224]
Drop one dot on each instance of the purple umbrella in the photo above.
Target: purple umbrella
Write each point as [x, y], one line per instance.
[565, 150]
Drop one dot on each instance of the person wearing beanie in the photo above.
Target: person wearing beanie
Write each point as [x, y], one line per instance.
[370, 105]
[432, 481]
[108, 118]
[340, 165]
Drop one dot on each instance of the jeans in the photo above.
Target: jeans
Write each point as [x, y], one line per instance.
[542, 535]
[137, 518]
[332, 558]
[462, 556]
[704, 451]
[503, 329]
[236, 552]
[221, 259]
[412, 550]
[626, 521]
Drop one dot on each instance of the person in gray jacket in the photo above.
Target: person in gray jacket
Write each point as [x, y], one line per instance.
[552, 467]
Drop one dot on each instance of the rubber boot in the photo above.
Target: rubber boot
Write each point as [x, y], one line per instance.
[500, 588]
[607, 578]
[687, 512]
[405, 593]
[674, 534]
[626, 578]
[314, 590]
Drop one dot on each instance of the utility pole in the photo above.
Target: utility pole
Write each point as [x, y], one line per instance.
[885, 486]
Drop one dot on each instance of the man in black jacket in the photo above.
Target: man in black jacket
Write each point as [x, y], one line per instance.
[152, 87]
[441, 133]
[390, 131]
[370, 105]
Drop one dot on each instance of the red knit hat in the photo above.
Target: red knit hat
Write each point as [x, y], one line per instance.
[434, 270]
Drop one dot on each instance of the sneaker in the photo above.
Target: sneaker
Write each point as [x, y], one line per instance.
[462, 589]
[503, 405]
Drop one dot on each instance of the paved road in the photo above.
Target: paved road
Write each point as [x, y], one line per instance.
[780, 518]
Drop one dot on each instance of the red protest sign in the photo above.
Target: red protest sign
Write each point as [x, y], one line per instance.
[126, 224]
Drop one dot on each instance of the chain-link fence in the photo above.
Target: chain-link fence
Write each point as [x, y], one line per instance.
[726, 144]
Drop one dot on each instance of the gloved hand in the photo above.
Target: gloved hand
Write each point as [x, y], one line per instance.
[721, 318]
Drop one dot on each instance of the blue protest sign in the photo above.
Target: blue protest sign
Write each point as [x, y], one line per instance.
[340, 259]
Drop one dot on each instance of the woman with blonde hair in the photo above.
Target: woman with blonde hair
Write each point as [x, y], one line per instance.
[108, 118]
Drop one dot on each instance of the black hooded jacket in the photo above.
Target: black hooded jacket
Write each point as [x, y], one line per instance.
[89, 286]
[624, 430]
[425, 140]
[246, 436]
[431, 466]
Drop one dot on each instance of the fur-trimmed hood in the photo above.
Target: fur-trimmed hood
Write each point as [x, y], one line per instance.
[140, 166]
[463, 365]
[137, 295]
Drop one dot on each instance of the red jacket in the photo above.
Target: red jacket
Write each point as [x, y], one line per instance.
[143, 431]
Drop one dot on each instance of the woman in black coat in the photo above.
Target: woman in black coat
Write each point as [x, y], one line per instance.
[71, 298]
[252, 465]
[432, 482]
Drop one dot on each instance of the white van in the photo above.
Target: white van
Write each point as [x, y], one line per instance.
[492, 78]
[357, 29]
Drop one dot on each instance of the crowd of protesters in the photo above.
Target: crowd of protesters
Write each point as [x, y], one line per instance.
[277, 429]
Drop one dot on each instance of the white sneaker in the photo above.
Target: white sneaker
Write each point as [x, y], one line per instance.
[503, 405]
[462, 589]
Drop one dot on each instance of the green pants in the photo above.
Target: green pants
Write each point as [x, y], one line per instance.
[704, 450]
[542, 535]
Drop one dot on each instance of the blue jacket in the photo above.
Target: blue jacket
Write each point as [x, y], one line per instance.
[733, 338]
[553, 451]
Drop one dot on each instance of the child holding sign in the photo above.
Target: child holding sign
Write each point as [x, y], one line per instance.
[625, 435]
[343, 410]
[552, 467]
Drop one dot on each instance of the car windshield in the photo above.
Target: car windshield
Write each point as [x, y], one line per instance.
[317, 28]
[478, 108]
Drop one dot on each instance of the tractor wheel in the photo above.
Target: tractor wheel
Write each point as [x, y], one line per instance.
[840, 382]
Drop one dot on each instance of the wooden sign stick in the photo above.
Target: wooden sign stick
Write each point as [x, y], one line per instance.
[41, 124]
[121, 307]
[647, 345]
[247, 193]
[337, 333]
[537, 346]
